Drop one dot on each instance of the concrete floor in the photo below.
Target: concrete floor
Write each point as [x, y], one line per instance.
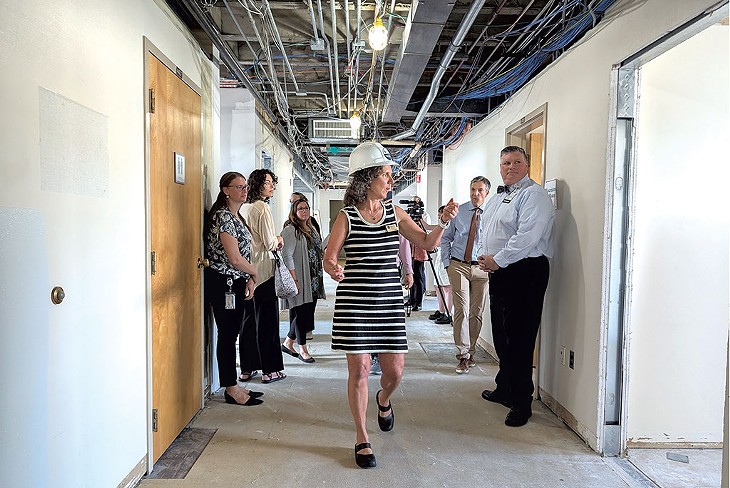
[444, 435]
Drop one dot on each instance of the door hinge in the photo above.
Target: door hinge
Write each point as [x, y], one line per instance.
[152, 100]
[153, 262]
[154, 420]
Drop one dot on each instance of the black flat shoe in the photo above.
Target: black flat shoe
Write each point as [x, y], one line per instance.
[249, 403]
[288, 351]
[364, 460]
[517, 417]
[255, 394]
[496, 397]
[309, 360]
[385, 423]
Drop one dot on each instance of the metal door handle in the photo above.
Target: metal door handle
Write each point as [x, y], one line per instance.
[203, 263]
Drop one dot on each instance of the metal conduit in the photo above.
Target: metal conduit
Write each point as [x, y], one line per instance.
[230, 59]
[314, 21]
[240, 30]
[336, 56]
[476, 42]
[272, 73]
[281, 45]
[492, 68]
[454, 46]
[349, 41]
[382, 61]
[329, 51]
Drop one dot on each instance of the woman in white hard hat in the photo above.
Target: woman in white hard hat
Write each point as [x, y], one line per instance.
[369, 315]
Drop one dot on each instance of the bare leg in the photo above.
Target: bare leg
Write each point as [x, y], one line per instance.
[392, 366]
[358, 370]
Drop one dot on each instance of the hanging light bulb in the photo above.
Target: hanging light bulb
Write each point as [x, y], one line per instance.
[378, 35]
[355, 121]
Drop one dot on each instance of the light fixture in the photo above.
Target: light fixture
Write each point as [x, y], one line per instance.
[378, 35]
[355, 121]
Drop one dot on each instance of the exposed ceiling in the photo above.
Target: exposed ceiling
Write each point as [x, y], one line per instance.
[447, 64]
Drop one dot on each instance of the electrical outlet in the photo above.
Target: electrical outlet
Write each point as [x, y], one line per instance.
[562, 355]
[571, 364]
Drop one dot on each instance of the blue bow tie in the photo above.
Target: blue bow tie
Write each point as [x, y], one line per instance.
[503, 189]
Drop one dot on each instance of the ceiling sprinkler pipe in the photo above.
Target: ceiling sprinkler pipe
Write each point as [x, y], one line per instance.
[454, 46]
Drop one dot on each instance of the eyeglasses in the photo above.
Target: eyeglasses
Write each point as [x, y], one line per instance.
[270, 183]
[238, 187]
[303, 209]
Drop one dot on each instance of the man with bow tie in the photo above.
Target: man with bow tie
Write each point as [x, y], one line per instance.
[460, 246]
[517, 245]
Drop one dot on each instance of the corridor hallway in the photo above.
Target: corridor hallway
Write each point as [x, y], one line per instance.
[445, 434]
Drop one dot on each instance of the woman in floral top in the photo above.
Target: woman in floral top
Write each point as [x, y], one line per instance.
[230, 280]
[302, 255]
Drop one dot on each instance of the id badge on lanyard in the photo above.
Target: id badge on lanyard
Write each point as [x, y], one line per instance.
[230, 295]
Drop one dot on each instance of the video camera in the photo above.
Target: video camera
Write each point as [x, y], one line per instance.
[414, 209]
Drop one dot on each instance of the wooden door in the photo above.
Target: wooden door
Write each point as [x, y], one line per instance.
[175, 235]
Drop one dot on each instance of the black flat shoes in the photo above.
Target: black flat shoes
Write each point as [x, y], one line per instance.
[385, 423]
[364, 460]
[249, 403]
[288, 351]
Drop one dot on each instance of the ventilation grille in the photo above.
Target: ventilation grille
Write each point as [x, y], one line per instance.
[325, 130]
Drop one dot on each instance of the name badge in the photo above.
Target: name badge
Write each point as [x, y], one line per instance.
[506, 200]
[230, 301]
[391, 228]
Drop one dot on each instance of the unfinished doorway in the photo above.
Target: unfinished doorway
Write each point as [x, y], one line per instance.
[668, 312]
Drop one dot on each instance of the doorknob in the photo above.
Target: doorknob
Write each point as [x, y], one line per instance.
[203, 262]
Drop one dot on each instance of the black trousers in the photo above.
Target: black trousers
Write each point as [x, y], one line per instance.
[419, 283]
[264, 322]
[301, 321]
[229, 322]
[516, 295]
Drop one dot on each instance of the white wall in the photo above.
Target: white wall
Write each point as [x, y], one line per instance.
[576, 89]
[74, 376]
[678, 307]
[244, 136]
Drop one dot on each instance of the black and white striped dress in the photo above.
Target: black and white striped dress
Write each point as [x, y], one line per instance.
[369, 315]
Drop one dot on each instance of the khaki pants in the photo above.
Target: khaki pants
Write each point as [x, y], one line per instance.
[468, 286]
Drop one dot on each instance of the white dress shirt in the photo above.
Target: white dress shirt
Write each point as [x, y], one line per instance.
[519, 224]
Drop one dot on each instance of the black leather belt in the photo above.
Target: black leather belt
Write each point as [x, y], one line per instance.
[472, 263]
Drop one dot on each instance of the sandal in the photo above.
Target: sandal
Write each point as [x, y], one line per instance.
[364, 460]
[271, 377]
[385, 423]
[247, 375]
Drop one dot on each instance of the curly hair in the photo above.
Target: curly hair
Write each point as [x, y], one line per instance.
[359, 185]
[256, 181]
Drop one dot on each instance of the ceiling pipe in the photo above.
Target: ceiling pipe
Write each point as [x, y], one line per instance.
[382, 62]
[359, 50]
[281, 46]
[329, 48]
[231, 60]
[336, 56]
[240, 31]
[314, 21]
[454, 46]
[279, 93]
[476, 42]
[348, 37]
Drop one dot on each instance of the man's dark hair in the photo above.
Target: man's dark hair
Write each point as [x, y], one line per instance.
[481, 179]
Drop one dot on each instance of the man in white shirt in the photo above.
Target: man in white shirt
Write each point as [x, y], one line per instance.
[517, 243]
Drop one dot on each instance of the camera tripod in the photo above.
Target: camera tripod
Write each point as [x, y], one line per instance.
[435, 277]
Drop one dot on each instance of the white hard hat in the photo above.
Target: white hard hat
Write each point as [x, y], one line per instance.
[367, 155]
